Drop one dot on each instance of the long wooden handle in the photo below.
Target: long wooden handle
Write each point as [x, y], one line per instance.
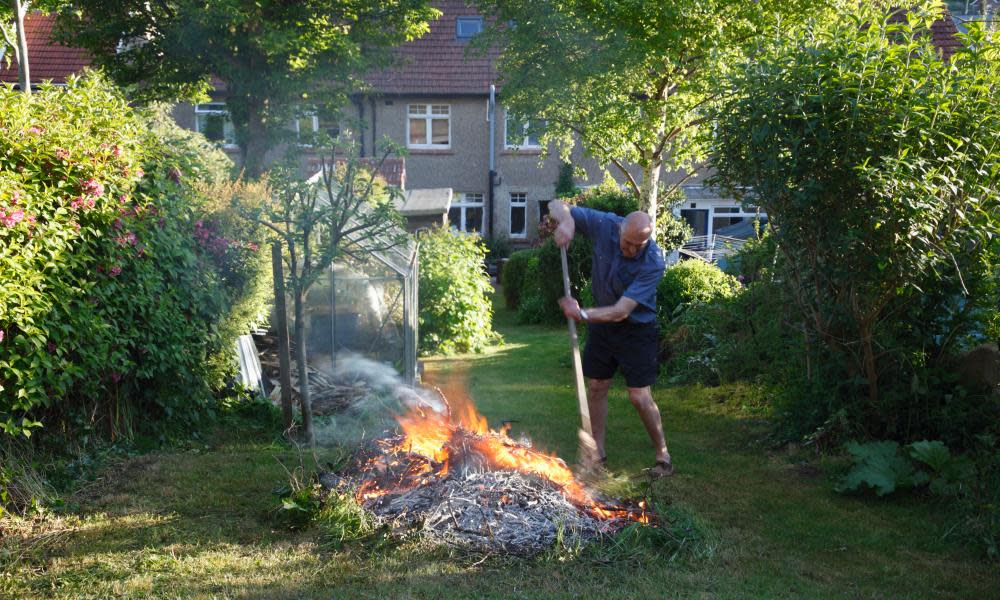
[581, 390]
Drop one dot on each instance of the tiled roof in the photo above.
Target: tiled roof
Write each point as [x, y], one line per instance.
[437, 63]
[944, 33]
[393, 170]
[46, 59]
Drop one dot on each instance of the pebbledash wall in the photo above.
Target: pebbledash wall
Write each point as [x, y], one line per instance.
[464, 165]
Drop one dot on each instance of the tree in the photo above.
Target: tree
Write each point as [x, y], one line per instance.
[274, 57]
[351, 214]
[631, 80]
[880, 187]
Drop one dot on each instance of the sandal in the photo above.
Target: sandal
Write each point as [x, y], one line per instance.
[662, 468]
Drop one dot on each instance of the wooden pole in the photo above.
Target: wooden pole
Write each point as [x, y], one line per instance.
[281, 326]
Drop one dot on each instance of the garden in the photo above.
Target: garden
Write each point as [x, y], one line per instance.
[830, 394]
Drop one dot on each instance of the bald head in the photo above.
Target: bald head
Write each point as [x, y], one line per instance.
[635, 232]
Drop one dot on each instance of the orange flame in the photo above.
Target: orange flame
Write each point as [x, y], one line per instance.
[435, 436]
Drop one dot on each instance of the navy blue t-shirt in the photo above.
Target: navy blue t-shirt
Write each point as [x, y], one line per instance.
[613, 275]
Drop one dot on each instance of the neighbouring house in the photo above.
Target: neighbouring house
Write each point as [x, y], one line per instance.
[49, 61]
[964, 12]
[469, 162]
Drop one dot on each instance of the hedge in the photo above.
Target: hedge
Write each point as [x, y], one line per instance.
[117, 279]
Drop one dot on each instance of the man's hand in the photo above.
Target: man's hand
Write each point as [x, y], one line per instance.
[564, 233]
[566, 227]
[570, 308]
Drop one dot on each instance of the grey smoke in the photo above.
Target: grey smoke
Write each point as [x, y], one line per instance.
[374, 413]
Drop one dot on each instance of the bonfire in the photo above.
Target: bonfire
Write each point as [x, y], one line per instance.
[448, 474]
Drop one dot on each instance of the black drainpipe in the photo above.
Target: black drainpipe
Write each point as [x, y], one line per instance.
[360, 103]
[371, 100]
[491, 118]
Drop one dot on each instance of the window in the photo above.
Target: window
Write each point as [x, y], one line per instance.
[467, 214]
[543, 209]
[697, 219]
[428, 126]
[724, 216]
[521, 133]
[309, 124]
[518, 215]
[212, 121]
[467, 28]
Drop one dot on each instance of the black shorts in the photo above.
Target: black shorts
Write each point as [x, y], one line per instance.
[632, 346]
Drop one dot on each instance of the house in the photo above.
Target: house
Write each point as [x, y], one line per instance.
[469, 162]
[964, 12]
[49, 61]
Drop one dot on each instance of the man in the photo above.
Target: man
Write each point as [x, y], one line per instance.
[627, 265]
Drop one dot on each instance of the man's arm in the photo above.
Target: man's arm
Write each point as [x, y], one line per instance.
[617, 312]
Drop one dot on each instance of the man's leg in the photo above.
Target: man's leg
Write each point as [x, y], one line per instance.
[642, 400]
[597, 400]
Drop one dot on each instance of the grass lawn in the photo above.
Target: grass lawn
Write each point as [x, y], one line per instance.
[194, 521]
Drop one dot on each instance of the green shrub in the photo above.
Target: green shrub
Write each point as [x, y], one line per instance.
[455, 310]
[888, 212]
[512, 279]
[114, 290]
[499, 247]
[692, 281]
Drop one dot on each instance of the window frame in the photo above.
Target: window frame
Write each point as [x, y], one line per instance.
[525, 138]
[428, 117]
[465, 203]
[478, 20]
[522, 204]
[224, 112]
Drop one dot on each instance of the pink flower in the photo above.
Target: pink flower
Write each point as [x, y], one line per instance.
[62, 153]
[252, 246]
[90, 202]
[15, 198]
[9, 220]
[122, 199]
[92, 187]
[1, 335]
[117, 151]
[77, 203]
[115, 271]
[139, 173]
[35, 130]
[76, 226]
[118, 224]
[116, 376]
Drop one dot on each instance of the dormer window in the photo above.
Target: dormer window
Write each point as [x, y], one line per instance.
[467, 28]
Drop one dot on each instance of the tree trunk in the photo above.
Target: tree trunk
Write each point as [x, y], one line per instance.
[23, 71]
[281, 326]
[868, 363]
[649, 190]
[253, 146]
[300, 359]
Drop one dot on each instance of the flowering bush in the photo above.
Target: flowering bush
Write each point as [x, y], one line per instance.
[111, 305]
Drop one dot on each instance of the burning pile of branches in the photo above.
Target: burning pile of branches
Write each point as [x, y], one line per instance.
[465, 485]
